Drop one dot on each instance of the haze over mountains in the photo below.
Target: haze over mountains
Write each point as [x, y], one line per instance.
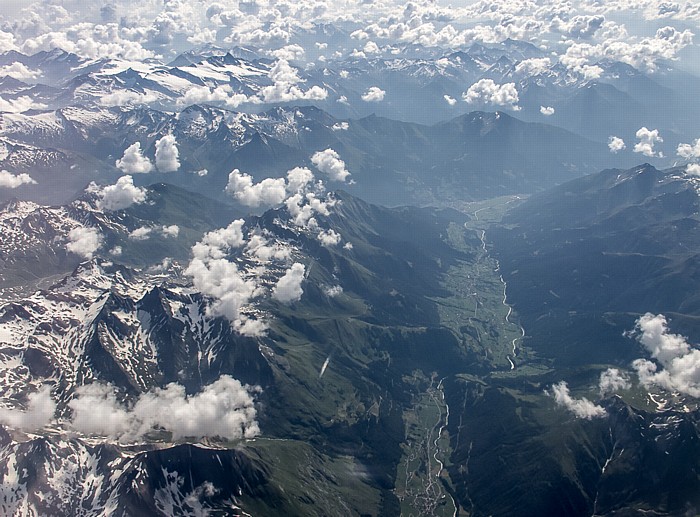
[369, 258]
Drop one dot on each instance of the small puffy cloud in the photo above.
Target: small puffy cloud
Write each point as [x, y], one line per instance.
[84, 241]
[533, 66]
[269, 192]
[7, 41]
[289, 52]
[170, 231]
[222, 93]
[260, 248]
[373, 94]
[298, 178]
[693, 169]
[333, 290]
[486, 91]
[215, 244]
[19, 71]
[116, 251]
[615, 144]
[689, 151]
[133, 161]
[285, 87]
[167, 154]
[579, 26]
[9, 180]
[20, 104]
[613, 380]
[370, 48]
[340, 126]
[121, 195]
[546, 110]
[302, 207]
[222, 409]
[450, 100]
[328, 238]
[328, 161]
[39, 413]
[288, 288]
[141, 234]
[677, 366]
[647, 139]
[224, 283]
[581, 408]
[343, 100]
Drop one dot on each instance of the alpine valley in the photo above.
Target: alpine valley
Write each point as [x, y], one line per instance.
[265, 259]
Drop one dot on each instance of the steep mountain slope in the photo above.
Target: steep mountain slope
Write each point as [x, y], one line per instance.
[417, 83]
[139, 331]
[617, 241]
[364, 384]
[168, 221]
[475, 156]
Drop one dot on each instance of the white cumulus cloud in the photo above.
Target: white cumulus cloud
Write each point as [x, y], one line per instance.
[133, 161]
[19, 71]
[693, 169]
[121, 195]
[546, 110]
[39, 413]
[225, 284]
[217, 243]
[269, 192]
[222, 409]
[613, 380]
[689, 151]
[373, 94]
[20, 104]
[581, 408]
[167, 154]
[140, 234]
[677, 364]
[285, 87]
[84, 241]
[615, 144]
[329, 237]
[289, 52]
[647, 139]
[9, 180]
[533, 66]
[486, 91]
[170, 231]
[328, 161]
[288, 288]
